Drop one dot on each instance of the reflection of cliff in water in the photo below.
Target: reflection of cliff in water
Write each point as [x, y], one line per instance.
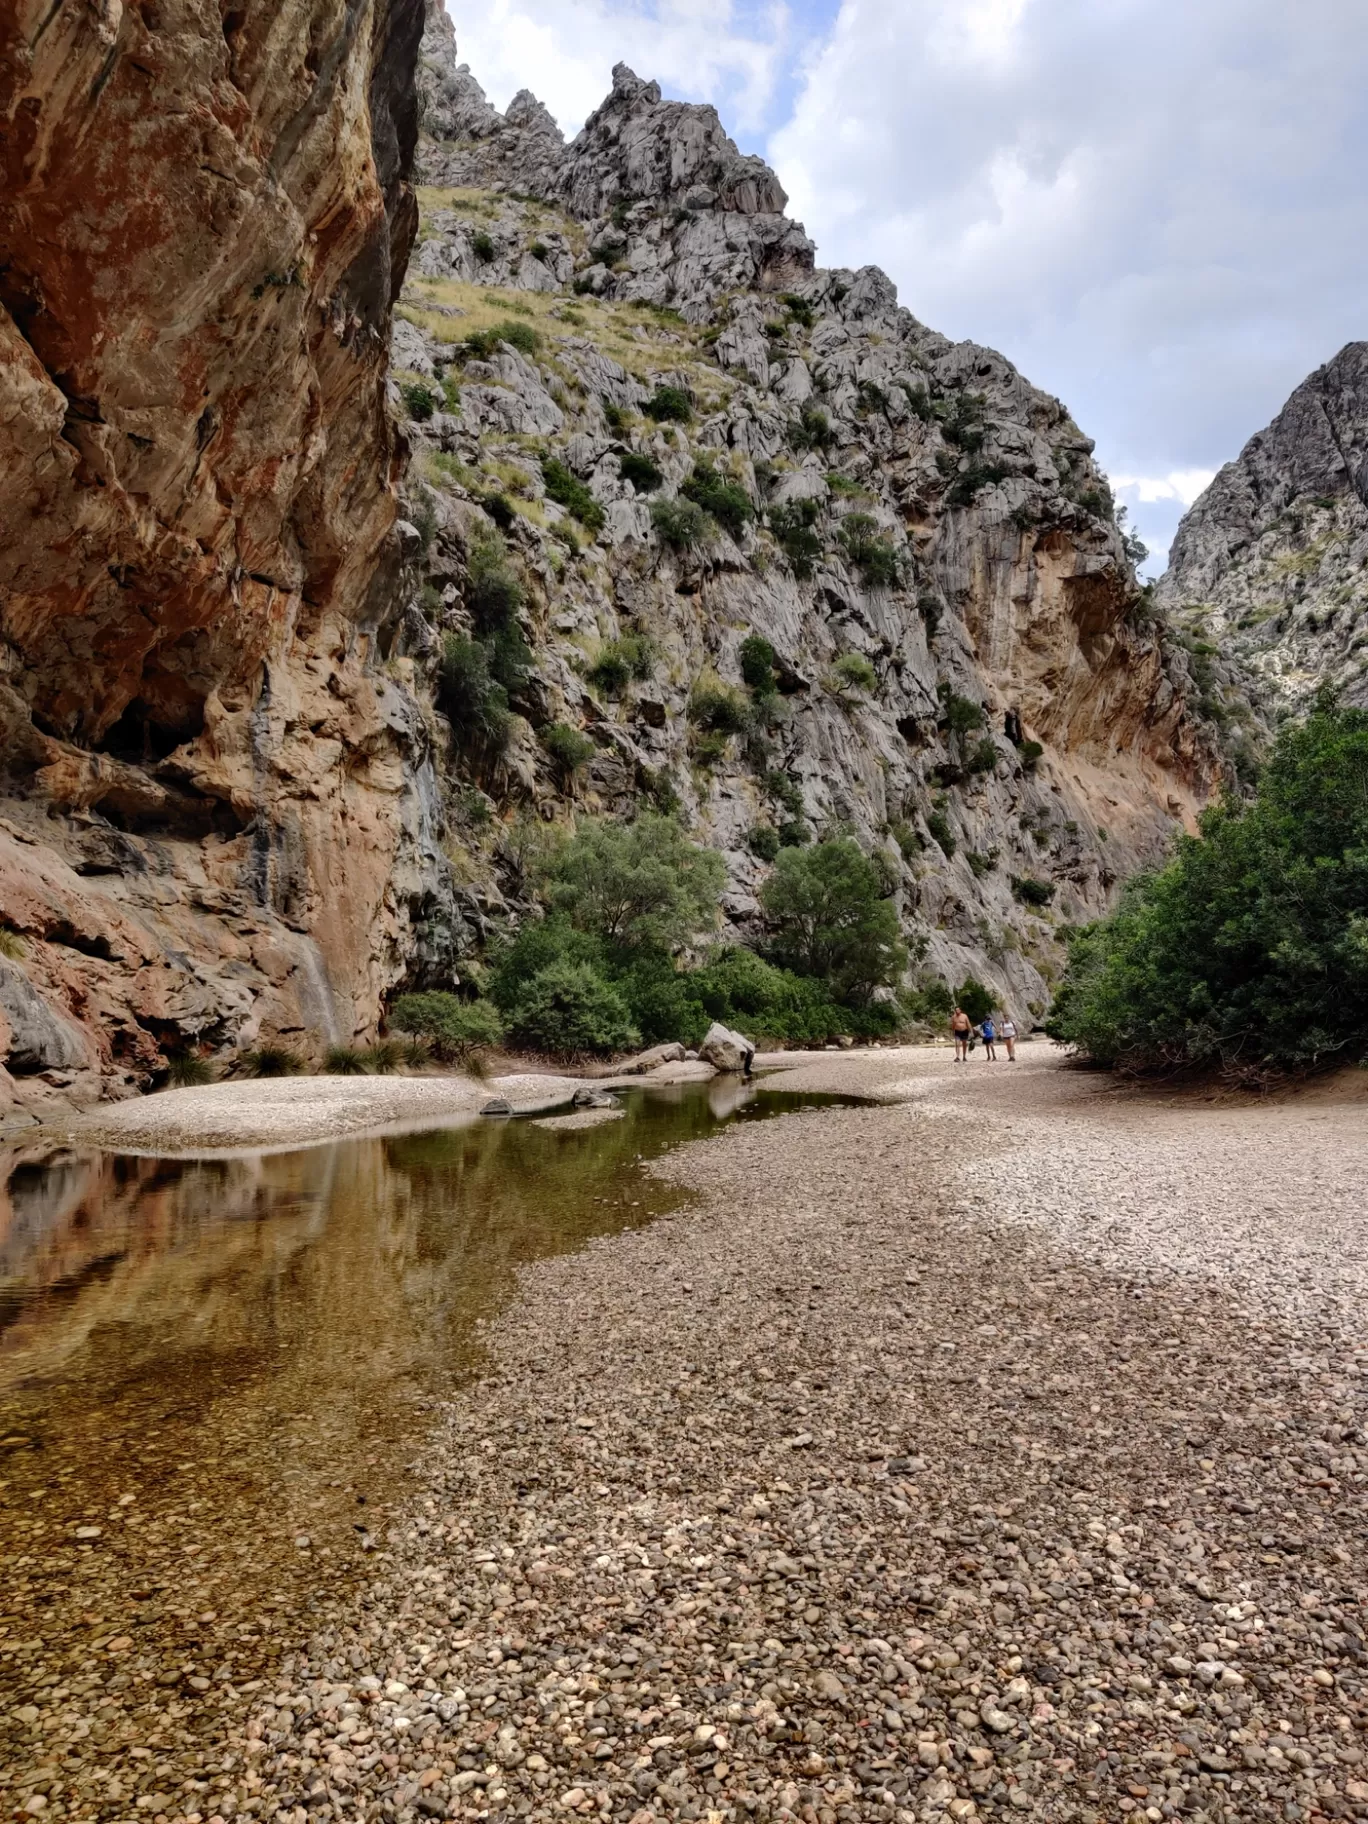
[221, 1366]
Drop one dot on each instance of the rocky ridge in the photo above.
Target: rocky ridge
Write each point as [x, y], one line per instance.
[238, 799]
[1268, 576]
[966, 674]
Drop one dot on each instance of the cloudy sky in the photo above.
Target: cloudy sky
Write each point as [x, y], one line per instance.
[1157, 208]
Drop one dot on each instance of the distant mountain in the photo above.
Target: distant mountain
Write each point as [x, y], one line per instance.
[1268, 576]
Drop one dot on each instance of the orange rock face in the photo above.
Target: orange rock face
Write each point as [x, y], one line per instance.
[204, 218]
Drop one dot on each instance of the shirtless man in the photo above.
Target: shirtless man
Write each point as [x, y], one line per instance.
[961, 1026]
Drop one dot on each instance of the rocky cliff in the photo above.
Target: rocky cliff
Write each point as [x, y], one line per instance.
[1268, 576]
[268, 753]
[213, 808]
[968, 675]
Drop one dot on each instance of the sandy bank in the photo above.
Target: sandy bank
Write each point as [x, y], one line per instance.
[301, 1111]
[275, 1113]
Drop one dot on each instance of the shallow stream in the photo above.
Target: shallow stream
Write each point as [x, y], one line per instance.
[212, 1371]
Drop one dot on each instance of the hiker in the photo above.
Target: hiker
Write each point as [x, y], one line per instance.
[988, 1033]
[961, 1028]
[1007, 1033]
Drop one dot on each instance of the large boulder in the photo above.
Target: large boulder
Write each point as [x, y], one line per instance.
[671, 1053]
[725, 1049]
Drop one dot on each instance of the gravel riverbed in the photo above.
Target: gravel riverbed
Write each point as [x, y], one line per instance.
[909, 1472]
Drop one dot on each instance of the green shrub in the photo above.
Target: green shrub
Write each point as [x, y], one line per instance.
[567, 748]
[939, 825]
[539, 250]
[493, 593]
[569, 1010]
[762, 839]
[482, 247]
[876, 556]
[811, 429]
[634, 884]
[643, 474]
[908, 838]
[681, 524]
[799, 309]
[786, 792]
[188, 1070]
[614, 416]
[976, 1000]
[980, 865]
[474, 703]
[1248, 951]
[568, 491]
[724, 500]
[1031, 892]
[757, 659]
[669, 405]
[959, 716]
[930, 1002]
[983, 757]
[829, 918]
[420, 402]
[718, 708]
[1031, 752]
[853, 671]
[792, 524]
[453, 1028]
[485, 342]
[499, 508]
[619, 661]
[346, 1061]
[386, 1055]
[451, 395]
[269, 1061]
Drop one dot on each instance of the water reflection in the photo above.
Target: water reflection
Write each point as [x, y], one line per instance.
[221, 1364]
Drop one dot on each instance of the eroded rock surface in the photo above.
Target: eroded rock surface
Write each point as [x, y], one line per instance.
[965, 672]
[1269, 569]
[204, 223]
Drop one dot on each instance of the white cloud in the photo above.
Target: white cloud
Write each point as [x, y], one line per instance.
[1181, 484]
[1154, 207]
[700, 50]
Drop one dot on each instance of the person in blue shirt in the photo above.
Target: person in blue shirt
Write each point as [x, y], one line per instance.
[988, 1033]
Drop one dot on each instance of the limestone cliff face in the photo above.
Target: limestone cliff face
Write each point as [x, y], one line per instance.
[1269, 570]
[237, 797]
[957, 554]
[211, 814]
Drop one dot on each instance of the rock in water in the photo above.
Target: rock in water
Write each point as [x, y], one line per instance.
[725, 1049]
[497, 1106]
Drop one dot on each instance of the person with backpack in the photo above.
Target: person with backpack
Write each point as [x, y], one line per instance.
[1007, 1032]
[961, 1031]
[988, 1033]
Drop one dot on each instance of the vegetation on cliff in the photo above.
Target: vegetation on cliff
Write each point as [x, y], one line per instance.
[1249, 951]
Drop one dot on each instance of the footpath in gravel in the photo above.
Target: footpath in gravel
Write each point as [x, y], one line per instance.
[1000, 1451]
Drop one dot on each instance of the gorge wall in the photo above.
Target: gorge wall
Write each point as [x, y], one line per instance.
[236, 797]
[213, 800]
[1268, 575]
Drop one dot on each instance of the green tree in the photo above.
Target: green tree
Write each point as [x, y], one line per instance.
[569, 1009]
[1250, 949]
[825, 909]
[456, 1029]
[635, 885]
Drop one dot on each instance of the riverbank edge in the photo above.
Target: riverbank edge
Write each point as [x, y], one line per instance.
[278, 1115]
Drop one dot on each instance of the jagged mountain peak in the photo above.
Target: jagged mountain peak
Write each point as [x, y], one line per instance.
[1270, 564]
